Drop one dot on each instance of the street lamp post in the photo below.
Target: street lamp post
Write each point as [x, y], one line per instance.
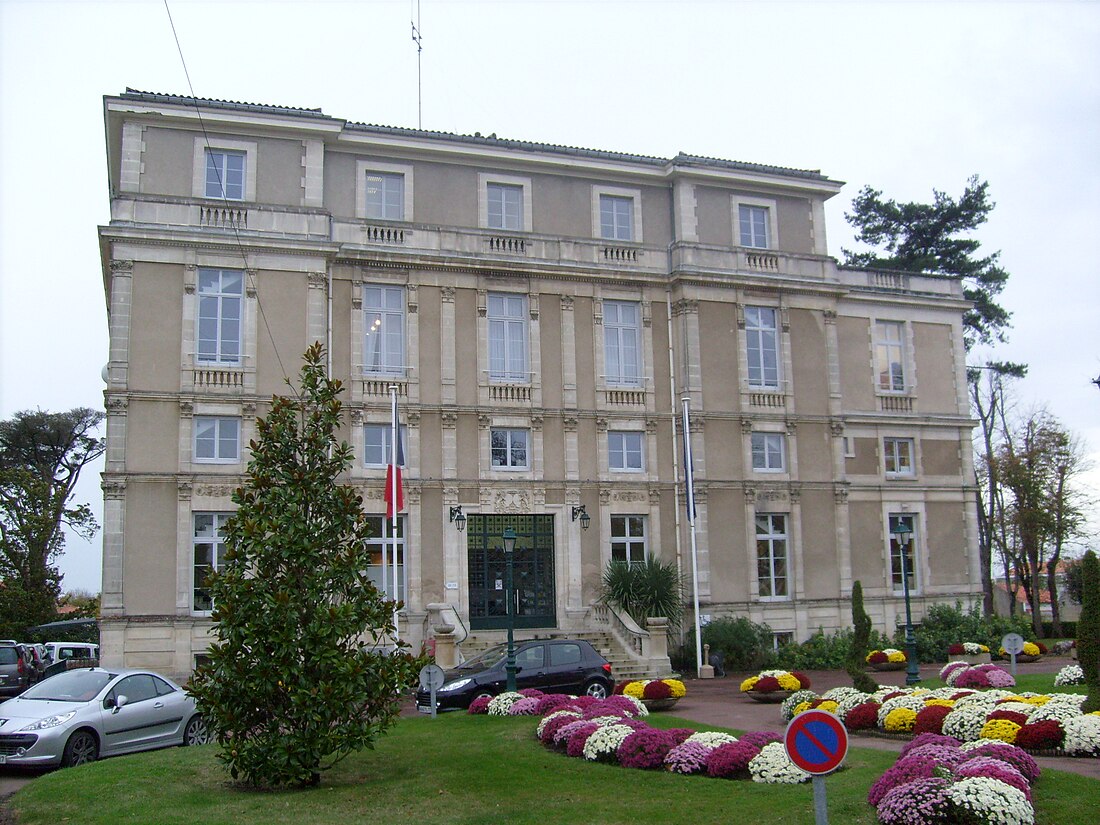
[902, 533]
[510, 662]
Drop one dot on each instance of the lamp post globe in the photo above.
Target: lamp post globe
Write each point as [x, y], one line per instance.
[902, 533]
[509, 537]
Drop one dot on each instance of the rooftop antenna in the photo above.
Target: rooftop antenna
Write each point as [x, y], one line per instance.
[419, 48]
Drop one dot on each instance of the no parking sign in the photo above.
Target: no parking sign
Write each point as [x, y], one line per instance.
[817, 742]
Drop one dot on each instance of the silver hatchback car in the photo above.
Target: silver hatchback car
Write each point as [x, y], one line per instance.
[82, 715]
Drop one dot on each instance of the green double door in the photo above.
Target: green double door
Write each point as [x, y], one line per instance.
[533, 571]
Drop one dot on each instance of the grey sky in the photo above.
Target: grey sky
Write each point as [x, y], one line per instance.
[905, 96]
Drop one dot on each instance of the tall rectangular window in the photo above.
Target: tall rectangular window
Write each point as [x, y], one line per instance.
[508, 338]
[768, 452]
[377, 444]
[762, 341]
[890, 355]
[903, 555]
[771, 555]
[509, 449]
[616, 218]
[624, 451]
[385, 196]
[384, 339]
[754, 226]
[208, 555]
[898, 456]
[628, 539]
[221, 294]
[217, 439]
[381, 529]
[622, 335]
[505, 203]
[225, 174]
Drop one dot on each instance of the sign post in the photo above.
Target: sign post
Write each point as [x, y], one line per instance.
[431, 679]
[1013, 643]
[817, 742]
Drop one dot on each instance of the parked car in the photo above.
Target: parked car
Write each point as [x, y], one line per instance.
[35, 662]
[81, 715]
[71, 650]
[15, 672]
[549, 665]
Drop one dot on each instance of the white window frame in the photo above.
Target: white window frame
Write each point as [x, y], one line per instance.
[380, 436]
[217, 144]
[220, 422]
[380, 542]
[885, 346]
[781, 637]
[386, 316]
[508, 331]
[619, 336]
[509, 433]
[891, 456]
[755, 337]
[220, 357]
[769, 204]
[622, 447]
[893, 555]
[616, 192]
[365, 167]
[771, 537]
[634, 547]
[772, 446]
[486, 178]
[216, 552]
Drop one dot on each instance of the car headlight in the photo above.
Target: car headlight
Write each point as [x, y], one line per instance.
[51, 721]
[456, 685]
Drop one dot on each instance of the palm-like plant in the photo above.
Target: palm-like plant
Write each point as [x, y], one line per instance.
[646, 588]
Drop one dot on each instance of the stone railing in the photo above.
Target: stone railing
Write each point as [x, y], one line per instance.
[223, 217]
[762, 262]
[621, 254]
[510, 393]
[896, 403]
[218, 378]
[379, 386]
[625, 397]
[373, 234]
[648, 648]
[507, 244]
[888, 280]
[772, 399]
[273, 219]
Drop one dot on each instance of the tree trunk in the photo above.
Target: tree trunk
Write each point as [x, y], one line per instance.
[1052, 588]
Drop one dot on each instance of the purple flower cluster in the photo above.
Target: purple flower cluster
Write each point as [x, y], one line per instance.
[1018, 758]
[552, 702]
[480, 705]
[983, 676]
[920, 802]
[688, 757]
[759, 738]
[527, 706]
[903, 772]
[646, 748]
[995, 769]
[551, 728]
[731, 761]
[945, 755]
[578, 737]
[611, 706]
[929, 739]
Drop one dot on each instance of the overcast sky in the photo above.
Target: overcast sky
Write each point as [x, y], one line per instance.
[905, 96]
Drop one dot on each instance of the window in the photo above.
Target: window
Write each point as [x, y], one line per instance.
[221, 294]
[208, 552]
[890, 355]
[225, 174]
[508, 338]
[508, 449]
[768, 452]
[898, 455]
[624, 451]
[217, 439]
[616, 218]
[622, 333]
[381, 530]
[754, 226]
[848, 444]
[762, 342]
[505, 206]
[628, 539]
[562, 655]
[377, 443]
[896, 558]
[780, 638]
[771, 555]
[385, 196]
[384, 339]
[531, 658]
[137, 688]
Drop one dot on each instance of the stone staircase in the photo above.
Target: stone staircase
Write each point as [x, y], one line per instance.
[623, 667]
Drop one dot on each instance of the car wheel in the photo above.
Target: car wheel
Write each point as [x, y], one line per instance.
[196, 732]
[82, 747]
[596, 689]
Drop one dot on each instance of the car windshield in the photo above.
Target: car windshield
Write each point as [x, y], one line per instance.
[71, 686]
[485, 660]
[8, 656]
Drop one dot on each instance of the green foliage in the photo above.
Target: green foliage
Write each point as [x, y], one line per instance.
[1088, 629]
[826, 652]
[1073, 585]
[645, 589]
[742, 644]
[944, 625]
[20, 609]
[932, 237]
[855, 663]
[290, 688]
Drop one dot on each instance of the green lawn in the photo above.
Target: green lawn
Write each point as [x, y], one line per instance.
[1025, 682]
[470, 769]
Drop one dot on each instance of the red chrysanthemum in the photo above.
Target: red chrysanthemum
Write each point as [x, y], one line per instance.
[621, 686]
[1042, 735]
[1042, 648]
[930, 719]
[766, 684]
[862, 717]
[956, 649]
[656, 690]
[893, 695]
[878, 657]
[802, 678]
[1011, 715]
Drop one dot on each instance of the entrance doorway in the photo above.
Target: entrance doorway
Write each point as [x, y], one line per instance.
[533, 571]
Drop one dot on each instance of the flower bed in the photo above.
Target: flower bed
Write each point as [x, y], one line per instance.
[887, 659]
[774, 685]
[971, 652]
[655, 694]
[1070, 675]
[1032, 652]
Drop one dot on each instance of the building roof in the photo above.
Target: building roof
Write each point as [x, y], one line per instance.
[682, 159]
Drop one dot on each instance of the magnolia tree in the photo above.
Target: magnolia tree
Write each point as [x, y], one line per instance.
[298, 676]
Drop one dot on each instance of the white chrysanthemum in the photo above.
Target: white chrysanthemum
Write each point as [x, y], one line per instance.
[606, 720]
[977, 743]
[786, 710]
[639, 708]
[845, 705]
[991, 801]
[500, 705]
[965, 722]
[1058, 709]
[711, 738]
[605, 741]
[1082, 736]
[837, 694]
[974, 649]
[772, 766]
[546, 719]
[1026, 708]
[914, 702]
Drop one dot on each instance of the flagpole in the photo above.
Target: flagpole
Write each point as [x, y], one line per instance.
[689, 474]
[395, 433]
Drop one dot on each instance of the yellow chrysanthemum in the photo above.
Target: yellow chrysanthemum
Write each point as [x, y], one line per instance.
[678, 689]
[788, 682]
[1032, 700]
[749, 683]
[1003, 729]
[634, 689]
[867, 658]
[943, 703]
[1031, 649]
[896, 656]
[828, 705]
[900, 720]
[801, 707]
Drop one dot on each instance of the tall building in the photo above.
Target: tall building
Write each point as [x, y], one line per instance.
[542, 311]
